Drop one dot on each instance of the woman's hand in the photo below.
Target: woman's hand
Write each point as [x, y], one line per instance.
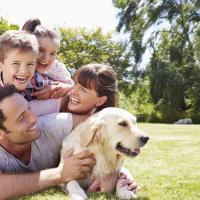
[125, 180]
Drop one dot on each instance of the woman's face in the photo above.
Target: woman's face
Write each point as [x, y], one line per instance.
[83, 100]
[48, 49]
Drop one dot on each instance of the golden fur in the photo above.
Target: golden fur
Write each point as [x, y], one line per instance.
[110, 135]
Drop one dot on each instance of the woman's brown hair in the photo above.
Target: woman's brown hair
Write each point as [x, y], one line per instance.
[102, 79]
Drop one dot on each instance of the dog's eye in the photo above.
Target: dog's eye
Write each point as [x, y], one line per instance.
[123, 123]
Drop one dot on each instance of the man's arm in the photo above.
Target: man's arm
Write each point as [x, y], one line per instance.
[71, 167]
[13, 185]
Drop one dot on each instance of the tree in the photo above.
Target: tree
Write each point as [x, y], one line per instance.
[139, 17]
[80, 47]
[4, 26]
[173, 70]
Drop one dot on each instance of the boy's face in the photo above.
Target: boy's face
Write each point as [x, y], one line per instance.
[18, 68]
[48, 49]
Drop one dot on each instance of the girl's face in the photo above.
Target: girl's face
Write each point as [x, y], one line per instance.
[83, 100]
[48, 49]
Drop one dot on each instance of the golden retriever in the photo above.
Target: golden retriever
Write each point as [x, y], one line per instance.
[110, 135]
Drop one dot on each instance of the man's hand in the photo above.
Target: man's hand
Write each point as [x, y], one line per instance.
[76, 166]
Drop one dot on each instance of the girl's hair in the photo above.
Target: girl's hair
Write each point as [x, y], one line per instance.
[102, 79]
[34, 26]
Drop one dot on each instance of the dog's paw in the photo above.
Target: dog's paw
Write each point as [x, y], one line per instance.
[79, 196]
[125, 194]
[75, 191]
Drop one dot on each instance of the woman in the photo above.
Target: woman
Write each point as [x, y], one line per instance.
[95, 88]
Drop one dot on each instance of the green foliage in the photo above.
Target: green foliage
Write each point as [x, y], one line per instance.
[197, 45]
[173, 75]
[139, 103]
[138, 18]
[80, 47]
[5, 26]
[128, 102]
[173, 35]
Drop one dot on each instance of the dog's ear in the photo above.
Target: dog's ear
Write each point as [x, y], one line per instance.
[94, 132]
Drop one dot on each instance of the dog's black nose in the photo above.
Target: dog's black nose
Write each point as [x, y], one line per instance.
[144, 139]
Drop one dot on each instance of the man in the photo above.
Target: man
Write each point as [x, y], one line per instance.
[30, 149]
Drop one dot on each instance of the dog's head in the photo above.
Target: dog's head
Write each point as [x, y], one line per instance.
[115, 129]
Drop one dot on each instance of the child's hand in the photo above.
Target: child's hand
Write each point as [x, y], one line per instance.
[54, 90]
[44, 93]
[60, 89]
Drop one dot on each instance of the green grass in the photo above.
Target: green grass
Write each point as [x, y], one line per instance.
[167, 169]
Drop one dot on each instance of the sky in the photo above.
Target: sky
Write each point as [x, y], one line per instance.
[69, 13]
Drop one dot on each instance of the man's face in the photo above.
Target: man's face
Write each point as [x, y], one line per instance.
[20, 122]
[18, 68]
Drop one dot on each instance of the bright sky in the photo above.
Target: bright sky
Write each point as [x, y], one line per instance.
[68, 13]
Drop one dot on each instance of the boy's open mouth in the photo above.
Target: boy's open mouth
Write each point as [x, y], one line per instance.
[21, 79]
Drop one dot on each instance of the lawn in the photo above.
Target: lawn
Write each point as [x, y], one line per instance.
[168, 167]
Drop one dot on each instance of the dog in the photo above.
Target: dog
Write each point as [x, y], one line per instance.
[111, 134]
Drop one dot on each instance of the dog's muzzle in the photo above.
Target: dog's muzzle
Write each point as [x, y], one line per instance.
[127, 151]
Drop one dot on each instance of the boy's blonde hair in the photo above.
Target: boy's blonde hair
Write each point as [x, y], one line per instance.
[17, 40]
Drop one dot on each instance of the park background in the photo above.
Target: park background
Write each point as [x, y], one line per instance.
[154, 47]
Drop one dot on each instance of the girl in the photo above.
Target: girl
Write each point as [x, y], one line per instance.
[49, 43]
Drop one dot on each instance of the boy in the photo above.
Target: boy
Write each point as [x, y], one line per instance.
[18, 54]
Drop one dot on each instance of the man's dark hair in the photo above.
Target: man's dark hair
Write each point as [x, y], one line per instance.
[5, 91]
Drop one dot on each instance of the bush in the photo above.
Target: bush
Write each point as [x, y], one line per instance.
[128, 103]
[144, 111]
